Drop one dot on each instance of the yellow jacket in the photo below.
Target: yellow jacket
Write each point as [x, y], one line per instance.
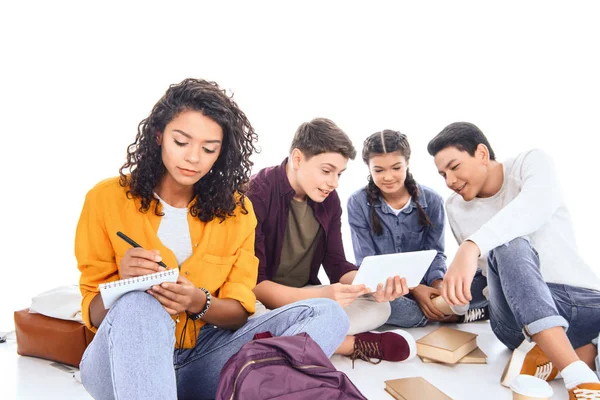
[222, 261]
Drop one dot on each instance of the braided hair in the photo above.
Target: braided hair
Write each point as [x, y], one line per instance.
[388, 141]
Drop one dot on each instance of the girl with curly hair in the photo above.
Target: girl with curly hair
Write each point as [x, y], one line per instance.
[181, 196]
[395, 214]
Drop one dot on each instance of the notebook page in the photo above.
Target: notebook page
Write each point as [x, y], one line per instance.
[112, 291]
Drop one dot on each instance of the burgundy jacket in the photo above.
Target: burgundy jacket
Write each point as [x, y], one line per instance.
[271, 194]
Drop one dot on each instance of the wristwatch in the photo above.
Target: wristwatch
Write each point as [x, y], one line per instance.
[196, 317]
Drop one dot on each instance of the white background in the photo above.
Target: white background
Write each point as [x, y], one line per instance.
[77, 78]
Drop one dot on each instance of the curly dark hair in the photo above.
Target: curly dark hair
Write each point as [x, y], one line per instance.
[388, 141]
[219, 192]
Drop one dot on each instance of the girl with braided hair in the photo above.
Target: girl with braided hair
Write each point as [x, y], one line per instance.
[394, 214]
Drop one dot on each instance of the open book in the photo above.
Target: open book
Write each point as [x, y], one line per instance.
[111, 291]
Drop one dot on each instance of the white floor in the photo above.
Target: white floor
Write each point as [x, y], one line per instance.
[31, 378]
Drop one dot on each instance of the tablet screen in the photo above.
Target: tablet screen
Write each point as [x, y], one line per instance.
[411, 265]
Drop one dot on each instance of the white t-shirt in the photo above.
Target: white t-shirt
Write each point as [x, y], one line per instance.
[397, 211]
[174, 231]
[529, 204]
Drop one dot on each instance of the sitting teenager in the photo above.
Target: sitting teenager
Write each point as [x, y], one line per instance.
[183, 201]
[299, 229]
[394, 214]
[510, 217]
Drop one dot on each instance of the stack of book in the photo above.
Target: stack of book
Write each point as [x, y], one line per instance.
[450, 346]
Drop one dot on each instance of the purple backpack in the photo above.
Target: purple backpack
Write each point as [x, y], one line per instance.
[283, 368]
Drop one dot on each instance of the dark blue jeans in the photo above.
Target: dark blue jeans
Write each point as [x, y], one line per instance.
[523, 304]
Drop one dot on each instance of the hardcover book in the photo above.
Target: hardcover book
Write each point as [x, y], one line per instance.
[477, 356]
[446, 345]
[416, 388]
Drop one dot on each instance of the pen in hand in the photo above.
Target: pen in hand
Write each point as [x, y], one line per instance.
[134, 244]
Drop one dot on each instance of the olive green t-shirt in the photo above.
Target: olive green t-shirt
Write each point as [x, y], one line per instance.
[299, 244]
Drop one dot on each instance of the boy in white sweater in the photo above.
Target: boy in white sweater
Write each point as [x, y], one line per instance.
[511, 221]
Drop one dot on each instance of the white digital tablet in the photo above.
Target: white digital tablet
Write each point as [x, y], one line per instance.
[412, 266]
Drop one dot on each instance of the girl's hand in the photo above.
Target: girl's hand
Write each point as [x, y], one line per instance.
[179, 297]
[138, 262]
[423, 295]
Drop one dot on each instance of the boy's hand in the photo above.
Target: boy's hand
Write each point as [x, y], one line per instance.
[394, 287]
[138, 262]
[423, 295]
[179, 297]
[344, 294]
[456, 287]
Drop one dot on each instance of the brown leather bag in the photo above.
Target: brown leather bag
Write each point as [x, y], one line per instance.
[51, 338]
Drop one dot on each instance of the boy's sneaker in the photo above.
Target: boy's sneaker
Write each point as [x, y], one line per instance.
[476, 314]
[398, 345]
[585, 391]
[528, 359]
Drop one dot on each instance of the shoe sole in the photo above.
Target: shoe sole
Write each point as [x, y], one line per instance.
[513, 368]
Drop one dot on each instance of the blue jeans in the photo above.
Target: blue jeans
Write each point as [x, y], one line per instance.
[523, 304]
[595, 342]
[132, 355]
[406, 312]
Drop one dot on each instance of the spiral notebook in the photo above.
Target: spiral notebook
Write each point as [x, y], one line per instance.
[111, 291]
